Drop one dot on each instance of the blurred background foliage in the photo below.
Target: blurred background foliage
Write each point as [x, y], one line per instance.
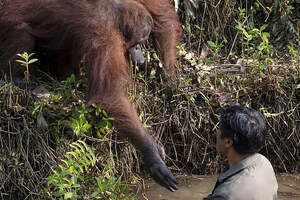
[215, 20]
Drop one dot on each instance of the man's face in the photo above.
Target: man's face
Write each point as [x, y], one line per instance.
[222, 144]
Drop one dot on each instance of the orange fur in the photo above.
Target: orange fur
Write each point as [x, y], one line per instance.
[97, 32]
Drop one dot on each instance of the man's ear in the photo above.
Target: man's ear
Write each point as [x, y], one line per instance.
[228, 142]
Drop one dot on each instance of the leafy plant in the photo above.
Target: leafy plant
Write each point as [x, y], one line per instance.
[65, 182]
[71, 83]
[256, 43]
[80, 126]
[156, 58]
[111, 189]
[104, 123]
[69, 86]
[72, 176]
[26, 61]
[84, 119]
[217, 47]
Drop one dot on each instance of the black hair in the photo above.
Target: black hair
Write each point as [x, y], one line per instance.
[245, 126]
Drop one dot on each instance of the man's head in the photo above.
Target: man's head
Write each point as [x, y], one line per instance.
[242, 128]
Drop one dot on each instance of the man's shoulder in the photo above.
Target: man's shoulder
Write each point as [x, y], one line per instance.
[246, 186]
[257, 159]
[261, 167]
[260, 170]
[262, 158]
[250, 165]
[257, 176]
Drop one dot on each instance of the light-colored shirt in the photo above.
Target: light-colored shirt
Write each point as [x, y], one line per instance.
[251, 179]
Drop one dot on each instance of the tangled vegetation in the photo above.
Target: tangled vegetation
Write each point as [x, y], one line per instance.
[53, 147]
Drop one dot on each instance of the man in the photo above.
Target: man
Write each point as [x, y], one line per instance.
[250, 175]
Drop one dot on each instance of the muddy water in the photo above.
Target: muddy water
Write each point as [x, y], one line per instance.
[197, 187]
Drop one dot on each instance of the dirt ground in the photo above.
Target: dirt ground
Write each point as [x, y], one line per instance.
[196, 187]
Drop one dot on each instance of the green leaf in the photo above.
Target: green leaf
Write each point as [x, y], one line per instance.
[95, 194]
[73, 154]
[254, 31]
[266, 34]
[263, 27]
[104, 113]
[211, 43]
[32, 61]
[21, 61]
[30, 55]
[68, 195]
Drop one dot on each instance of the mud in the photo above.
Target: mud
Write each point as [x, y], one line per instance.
[196, 187]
